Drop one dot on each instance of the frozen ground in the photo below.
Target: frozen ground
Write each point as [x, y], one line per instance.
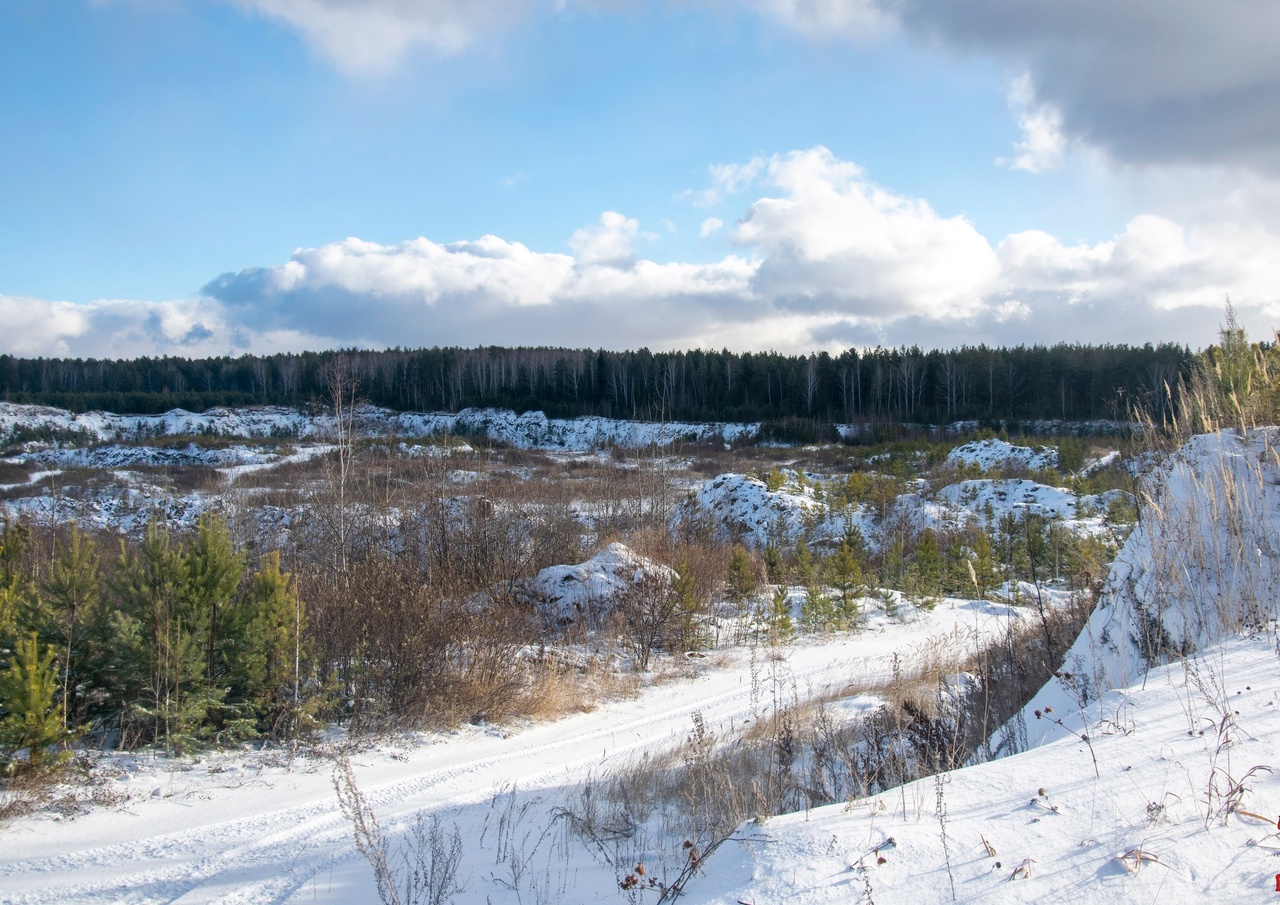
[241, 828]
[1150, 826]
[1143, 786]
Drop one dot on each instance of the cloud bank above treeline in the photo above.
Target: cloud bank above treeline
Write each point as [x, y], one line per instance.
[821, 257]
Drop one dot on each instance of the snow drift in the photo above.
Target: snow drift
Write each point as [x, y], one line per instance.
[1202, 565]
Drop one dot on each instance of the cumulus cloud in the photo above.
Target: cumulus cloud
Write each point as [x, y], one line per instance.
[35, 327]
[824, 257]
[1155, 265]
[490, 291]
[835, 241]
[710, 226]
[611, 243]
[372, 36]
[1043, 145]
[123, 328]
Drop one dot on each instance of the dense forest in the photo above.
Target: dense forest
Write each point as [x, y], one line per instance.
[1069, 382]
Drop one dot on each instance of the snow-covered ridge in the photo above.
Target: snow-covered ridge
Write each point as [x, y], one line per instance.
[530, 430]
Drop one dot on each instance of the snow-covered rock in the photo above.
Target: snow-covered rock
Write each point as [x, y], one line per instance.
[988, 454]
[589, 589]
[743, 507]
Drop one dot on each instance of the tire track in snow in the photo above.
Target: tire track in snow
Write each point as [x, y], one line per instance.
[248, 853]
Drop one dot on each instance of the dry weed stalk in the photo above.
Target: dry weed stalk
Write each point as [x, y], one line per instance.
[424, 868]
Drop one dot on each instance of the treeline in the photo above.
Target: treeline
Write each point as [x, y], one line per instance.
[1068, 382]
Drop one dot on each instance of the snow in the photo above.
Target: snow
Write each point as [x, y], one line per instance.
[742, 507]
[986, 499]
[988, 454]
[1202, 565]
[589, 588]
[1170, 798]
[1046, 809]
[529, 430]
[1137, 785]
[257, 828]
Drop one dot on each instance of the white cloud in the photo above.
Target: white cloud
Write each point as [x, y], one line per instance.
[826, 258]
[835, 241]
[123, 328]
[1043, 145]
[372, 36]
[34, 327]
[710, 226]
[609, 244]
[726, 179]
[1155, 265]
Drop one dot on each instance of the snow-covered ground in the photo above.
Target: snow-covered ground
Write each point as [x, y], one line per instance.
[1159, 789]
[1151, 825]
[1139, 785]
[243, 828]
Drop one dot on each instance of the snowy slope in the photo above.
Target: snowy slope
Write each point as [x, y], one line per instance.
[1077, 834]
[253, 829]
[1203, 563]
[1138, 786]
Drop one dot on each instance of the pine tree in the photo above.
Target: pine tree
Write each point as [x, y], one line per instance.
[926, 564]
[14, 590]
[782, 629]
[743, 582]
[33, 717]
[161, 658]
[214, 571]
[983, 571]
[844, 571]
[803, 567]
[689, 634]
[817, 612]
[72, 590]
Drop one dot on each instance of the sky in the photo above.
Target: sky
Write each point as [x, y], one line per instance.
[216, 177]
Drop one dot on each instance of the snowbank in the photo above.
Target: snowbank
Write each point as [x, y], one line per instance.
[1042, 826]
[988, 454]
[565, 593]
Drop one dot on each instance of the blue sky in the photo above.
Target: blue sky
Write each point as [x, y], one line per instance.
[219, 177]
